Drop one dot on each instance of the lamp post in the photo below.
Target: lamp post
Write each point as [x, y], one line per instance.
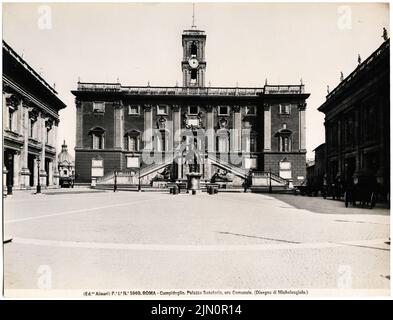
[270, 180]
[139, 178]
[9, 184]
[115, 184]
[38, 169]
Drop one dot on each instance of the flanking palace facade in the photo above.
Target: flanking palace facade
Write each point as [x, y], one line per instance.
[158, 133]
[30, 122]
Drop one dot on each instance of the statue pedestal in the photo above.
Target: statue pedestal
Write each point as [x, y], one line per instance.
[193, 185]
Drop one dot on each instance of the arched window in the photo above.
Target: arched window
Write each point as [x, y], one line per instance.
[194, 49]
[132, 143]
[132, 138]
[284, 140]
[285, 144]
[193, 76]
[98, 138]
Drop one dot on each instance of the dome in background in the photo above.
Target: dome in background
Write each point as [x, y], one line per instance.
[64, 157]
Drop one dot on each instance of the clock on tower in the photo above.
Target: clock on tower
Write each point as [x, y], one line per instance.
[193, 63]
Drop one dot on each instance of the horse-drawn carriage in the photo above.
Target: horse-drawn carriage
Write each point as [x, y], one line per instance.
[362, 189]
[310, 187]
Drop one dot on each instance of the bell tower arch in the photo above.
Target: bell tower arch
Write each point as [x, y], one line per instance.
[193, 63]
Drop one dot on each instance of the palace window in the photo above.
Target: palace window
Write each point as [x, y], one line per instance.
[162, 110]
[223, 111]
[47, 135]
[32, 122]
[250, 142]
[285, 144]
[250, 111]
[253, 143]
[370, 123]
[285, 109]
[193, 110]
[132, 143]
[11, 112]
[99, 107]
[223, 141]
[98, 138]
[133, 109]
[161, 143]
[349, 131]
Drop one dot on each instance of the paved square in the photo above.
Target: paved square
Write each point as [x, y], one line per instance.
[157, 240]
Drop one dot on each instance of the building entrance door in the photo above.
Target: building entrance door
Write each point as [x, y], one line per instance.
[30, 164]
[47, 171]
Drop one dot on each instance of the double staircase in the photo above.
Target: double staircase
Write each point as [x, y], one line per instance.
[237, 171]
[129, 179]
[265, 181]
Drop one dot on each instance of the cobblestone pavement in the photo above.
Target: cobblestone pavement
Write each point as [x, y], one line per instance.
[228, 240]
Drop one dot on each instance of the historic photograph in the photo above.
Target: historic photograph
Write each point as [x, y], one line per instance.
[189, 150]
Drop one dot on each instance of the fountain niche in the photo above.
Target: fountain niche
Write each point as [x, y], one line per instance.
[194, 177]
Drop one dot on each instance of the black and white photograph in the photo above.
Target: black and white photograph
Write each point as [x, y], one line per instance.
[196, 150]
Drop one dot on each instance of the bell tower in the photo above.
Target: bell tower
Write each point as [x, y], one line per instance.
[193, 64]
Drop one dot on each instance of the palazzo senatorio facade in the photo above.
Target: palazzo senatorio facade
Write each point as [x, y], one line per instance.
[30, 122]
[156, 133]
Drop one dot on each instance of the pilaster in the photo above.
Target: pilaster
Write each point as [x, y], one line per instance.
[267, 127]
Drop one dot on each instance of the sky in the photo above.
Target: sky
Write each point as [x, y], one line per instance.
[137, 43]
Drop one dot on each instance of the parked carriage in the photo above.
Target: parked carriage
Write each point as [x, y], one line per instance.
[310, 187]
[336, 188]
[362, 189]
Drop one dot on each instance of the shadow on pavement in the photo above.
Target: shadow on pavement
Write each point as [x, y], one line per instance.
[329, 206]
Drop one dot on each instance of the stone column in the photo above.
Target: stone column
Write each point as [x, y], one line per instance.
[237, 132]
[302, 127]
[79, 124]
[148, 127]
[19, 113]
[25, 172]
[267, 127]
[338, 143]
[50, 173]
[16, 169]
[118, 125]
[42, 129]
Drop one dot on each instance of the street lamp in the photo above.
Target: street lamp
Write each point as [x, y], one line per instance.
[270, 180]
[38, 169]
[9, 184]
[139, 178]
[115, 183]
